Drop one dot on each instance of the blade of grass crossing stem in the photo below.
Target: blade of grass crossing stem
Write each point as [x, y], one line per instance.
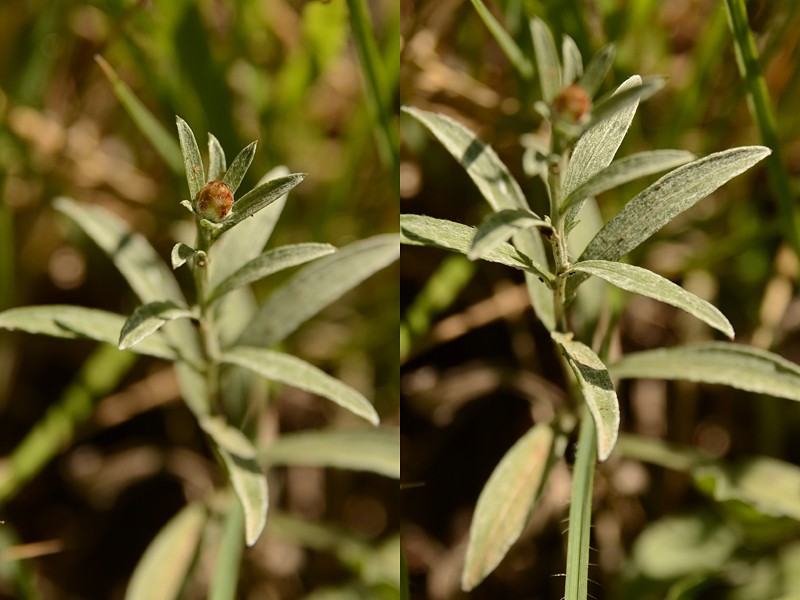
[580, 513]
[761, 110]
[229, 555]
[504, 40]
[163, 142]
[98, 376]
[377, 95]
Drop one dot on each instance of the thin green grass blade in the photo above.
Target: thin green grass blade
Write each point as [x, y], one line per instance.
[217, 164]
[235, 174]
[192, 163]
[225, 578]
[163, 142]
[548, 66]
[507, 44]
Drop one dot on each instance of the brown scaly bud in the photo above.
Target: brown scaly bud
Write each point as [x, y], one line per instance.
[214, 201]
[572, 103]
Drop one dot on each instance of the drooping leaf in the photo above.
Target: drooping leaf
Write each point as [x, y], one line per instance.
[297, 373]
[318, 284]
[64, 321]
[217, 164]
[228, 437]
[234, 175]
[505, 41]
[547, 63]
[192, 164]
[149, 318]
[259, 198]
[735, 365]
[499, 227]
[597, 69]
[572, 59]
[373, 450]
[162, 570]
[642, 281]
[506, 502]
[180, 254]
[270, 262]
[597, 389]
[419, 230]
[250, 486]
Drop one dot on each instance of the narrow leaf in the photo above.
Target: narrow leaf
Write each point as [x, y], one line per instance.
[258, 198]
[419, 230]
[234, 176]
[735, 365]
[505, 503]
[155, 132]
[250, 486]
[163, 568]
[507, 44]
[573, 62]
[641, 281]
[195, 174]
[180, 254]
[194, 388]
[297, 373]
[499, 227]
[620, 100]
[228, 437]
[225, 579]
[147, 319]
[216, 160]
[597, 389]
[271, 262]
[547, 65]
[373, 450]
[318, 284]
[64, 321]
[597, 69]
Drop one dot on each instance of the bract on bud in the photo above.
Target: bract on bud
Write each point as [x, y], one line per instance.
[214, 201]
[573, 103]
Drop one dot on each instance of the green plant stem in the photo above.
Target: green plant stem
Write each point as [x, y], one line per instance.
[208, 326]
[558, 237]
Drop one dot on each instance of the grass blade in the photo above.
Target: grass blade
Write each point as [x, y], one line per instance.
[507, 44]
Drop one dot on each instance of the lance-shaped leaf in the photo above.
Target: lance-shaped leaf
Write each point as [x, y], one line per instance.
[149, 318]
[238, 169]
[217, 164]
[180, 254]
[318, 284]
[735, 365]
[573, 61]
[505, 41]
[192, 164]
[72, 322]
[162, 571]
[642, 281]
[259, 198]
[228, 437]
[250, 486]
[297, 373]
[597, 389]
[419, 230]
[505, 503]
[373, 450]
[499, 227]
[668, 197]
[597, 69]
[271, 262]
[547, 65]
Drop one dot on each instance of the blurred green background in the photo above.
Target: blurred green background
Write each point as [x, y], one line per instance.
[283, 72]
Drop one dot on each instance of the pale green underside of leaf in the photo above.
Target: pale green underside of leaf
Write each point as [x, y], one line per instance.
[192, 163]
[250, 486]
[297, 373]
[499, 227]
[216, 159]
[228, 437]
[597, 389]
[162, 570]
[259, 198]
[420, 230]
[642, 281]
[238, 169]
[180, 254]
[547, 64]
[735, 365]
[318, 284]
[149, 318]
[373, 450]
[271, 262]
[71, 322]
[505, 503]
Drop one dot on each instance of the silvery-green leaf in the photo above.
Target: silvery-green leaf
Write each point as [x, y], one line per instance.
[164, 566]
[250, 486]
[297, 373]
[373, 450]
[642, 281]
[505, 503]
[194, 388]
[180, 254]
[597, 69]
[419, 230]
[318, 284]
[270, 262]
[149, 318]
[505, 41]
[228, 437]
[259, 198]
[193, 165]
[238, 169]
[547, 64]
[499, 227]
[216, 159]
[597, 389]
[572, 59]
[72, 322]
[668, 197]
[735, 365]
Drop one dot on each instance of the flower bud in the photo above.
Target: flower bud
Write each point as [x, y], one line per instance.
[572, 103]
[214, 201]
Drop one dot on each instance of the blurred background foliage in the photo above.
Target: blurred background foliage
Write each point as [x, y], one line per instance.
[284, 72]
[477, 369]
